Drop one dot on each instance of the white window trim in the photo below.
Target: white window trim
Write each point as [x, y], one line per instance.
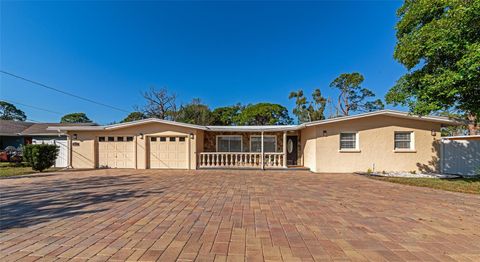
[349, 150]
[241, 142]
[412, 142]
[260, 136]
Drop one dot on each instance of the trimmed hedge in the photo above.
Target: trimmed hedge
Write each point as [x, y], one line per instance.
[40, 157]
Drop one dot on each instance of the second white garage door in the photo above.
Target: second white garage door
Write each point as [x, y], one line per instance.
[116, 152]
[168, 152]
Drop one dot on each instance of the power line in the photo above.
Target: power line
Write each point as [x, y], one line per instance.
[64, 92]
[34, 107]
[31, 120]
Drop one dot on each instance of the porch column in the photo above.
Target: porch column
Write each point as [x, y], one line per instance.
[263, 153]
[285, 149]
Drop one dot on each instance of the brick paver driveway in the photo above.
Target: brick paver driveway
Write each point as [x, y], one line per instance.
[232, 215]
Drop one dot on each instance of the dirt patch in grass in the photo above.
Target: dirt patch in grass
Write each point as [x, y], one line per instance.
[12, 169]
[463, 185]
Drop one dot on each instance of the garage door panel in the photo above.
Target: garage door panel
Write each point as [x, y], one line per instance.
[168, 152]
[118, 153]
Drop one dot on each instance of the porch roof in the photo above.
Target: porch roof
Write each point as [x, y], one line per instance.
[253, 128]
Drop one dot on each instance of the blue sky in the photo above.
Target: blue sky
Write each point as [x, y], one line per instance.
[220, 52]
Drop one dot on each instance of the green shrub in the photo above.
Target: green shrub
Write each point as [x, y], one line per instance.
[369, 171]
[40, 157]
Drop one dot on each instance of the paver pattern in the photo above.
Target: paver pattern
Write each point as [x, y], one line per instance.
[213, 215]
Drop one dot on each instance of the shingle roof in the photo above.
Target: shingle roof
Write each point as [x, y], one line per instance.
[41, 128]
[13, 128]
[19, 128]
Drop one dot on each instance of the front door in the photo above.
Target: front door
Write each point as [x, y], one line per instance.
[292, 150]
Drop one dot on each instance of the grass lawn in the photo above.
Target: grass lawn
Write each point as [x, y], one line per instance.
[464, 185]
[10, 169]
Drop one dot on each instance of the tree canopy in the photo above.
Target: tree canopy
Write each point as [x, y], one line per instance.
[227, 115]
[133, 117]
[309, 110]
[353, 96]
[438, 42]
[264, 114]
[11, 112]
[195, 113]
[75, 118]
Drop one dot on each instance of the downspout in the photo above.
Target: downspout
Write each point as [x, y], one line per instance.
[284, 149]
[442, 156]
[70, 152]
[136, 152]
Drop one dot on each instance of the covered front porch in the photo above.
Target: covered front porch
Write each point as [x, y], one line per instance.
[251, 148]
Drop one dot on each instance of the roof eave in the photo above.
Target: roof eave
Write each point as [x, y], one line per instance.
[437, 119]
[123, 125]
[250, 129]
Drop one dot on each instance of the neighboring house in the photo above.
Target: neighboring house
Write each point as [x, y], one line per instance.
[461, 155]
[382, 140]
[10, 133]
[18, 133]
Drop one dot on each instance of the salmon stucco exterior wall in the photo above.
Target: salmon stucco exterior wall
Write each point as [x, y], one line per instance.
[85, 153]
[376, 146]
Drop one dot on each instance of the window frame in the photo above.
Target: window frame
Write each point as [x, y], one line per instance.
[412, 141]
[357, 142]
[260, 136]
[219, 136]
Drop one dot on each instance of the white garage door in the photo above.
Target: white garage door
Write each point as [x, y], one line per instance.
[168, 152]
[116, 152]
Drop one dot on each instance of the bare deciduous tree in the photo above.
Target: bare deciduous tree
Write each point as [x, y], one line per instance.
[160, 104]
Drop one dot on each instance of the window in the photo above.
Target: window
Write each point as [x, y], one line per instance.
[153, 139]
[120, 138]
[101, 139]
[111, 139]
[269, 143]
[172, 139]
[348, 141]
[163, 139]
[403, 140]
[181, 139]
[229, 143]
[129, 138]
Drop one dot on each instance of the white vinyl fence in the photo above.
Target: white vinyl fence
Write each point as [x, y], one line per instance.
[461, 157]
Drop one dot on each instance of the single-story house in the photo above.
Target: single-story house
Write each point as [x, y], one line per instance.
[382, 140]
[19, 133]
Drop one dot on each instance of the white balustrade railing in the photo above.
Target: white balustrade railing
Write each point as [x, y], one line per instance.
[238, 160]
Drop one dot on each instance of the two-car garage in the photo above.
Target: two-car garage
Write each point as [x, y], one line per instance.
[163, 152]
[142, 144]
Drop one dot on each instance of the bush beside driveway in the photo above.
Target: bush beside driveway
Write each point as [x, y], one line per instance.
[212, 215]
